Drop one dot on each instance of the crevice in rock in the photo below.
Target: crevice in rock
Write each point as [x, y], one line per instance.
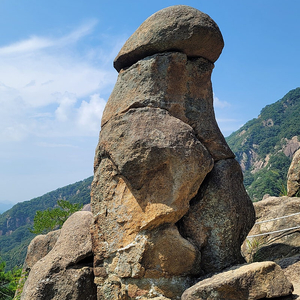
[85, 261]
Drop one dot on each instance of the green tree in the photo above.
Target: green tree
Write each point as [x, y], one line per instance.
[8, 282]
[53, 218]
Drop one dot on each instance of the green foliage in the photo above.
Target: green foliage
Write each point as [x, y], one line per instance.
[53, 218]
[14, 246]
[8, 281]
[253, 245]
[265, 137]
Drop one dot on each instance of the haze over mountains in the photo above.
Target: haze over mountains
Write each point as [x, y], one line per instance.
[264, 147]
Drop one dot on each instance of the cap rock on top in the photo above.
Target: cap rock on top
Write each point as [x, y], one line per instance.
[178, 28]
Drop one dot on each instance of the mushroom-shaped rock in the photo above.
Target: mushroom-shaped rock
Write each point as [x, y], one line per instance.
[177, 28]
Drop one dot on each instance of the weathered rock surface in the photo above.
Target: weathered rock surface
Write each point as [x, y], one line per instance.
[177, 28]
[151, 165]
[291, 269]
[220, 217]
[159, 147]
[253, 281]
[274, 244]
[66, 271]
[172, 82]
[39, 247]
[293, 176]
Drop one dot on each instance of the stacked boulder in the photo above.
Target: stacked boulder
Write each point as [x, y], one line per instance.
[168, 199]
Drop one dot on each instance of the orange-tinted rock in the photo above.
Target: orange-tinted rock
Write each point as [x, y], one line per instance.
[148, 166]
[169, 254]
[158, 143]
[177, 28]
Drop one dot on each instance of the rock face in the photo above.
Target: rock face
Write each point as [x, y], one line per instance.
[39, 247]
[254, 281]
[167, 195]
[212, 222]
[274, 241]
[293, 177]
[66, 271]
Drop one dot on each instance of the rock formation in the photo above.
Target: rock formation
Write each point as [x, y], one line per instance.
[293, 176]
[255, 281]
[275, 242]
[272, 242]
[168, 200]
[62, 267]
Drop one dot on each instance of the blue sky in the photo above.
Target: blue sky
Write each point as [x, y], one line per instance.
[56, 74]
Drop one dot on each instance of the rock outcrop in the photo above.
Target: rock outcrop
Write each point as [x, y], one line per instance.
[271, 240]
[293, 176]
[255, 281]
[39, 247]
[66, 271]
[167, 196]
[275, 236]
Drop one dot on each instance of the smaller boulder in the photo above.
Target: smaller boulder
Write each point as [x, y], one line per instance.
[269, 238]
[39, 247]
[66, 271]
[253, 281]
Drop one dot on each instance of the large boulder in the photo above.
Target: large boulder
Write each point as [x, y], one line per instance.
[293, 176]
[66, 271]
[246, 282]
[177, 28]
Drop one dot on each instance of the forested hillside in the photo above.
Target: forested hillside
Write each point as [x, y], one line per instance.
[264, 146]
[16, 222]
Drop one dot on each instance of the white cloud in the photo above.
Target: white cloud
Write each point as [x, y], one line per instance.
[90, 113]
[35, 43]
[220, 104]
[55, 145]
[66, 106]
[29, 45]
[50, 87]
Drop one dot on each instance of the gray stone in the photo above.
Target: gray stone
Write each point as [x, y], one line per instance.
[181, 86]
[65, 273]
[177, 28]
[293, 176]
[253, 281]
[220, 217]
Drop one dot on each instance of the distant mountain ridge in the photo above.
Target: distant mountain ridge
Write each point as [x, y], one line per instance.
[265, 145]
[5, 206]
[15, 223]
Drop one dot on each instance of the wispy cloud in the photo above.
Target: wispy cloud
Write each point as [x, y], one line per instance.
[49, 86]
[220, 104]
[35, 43]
